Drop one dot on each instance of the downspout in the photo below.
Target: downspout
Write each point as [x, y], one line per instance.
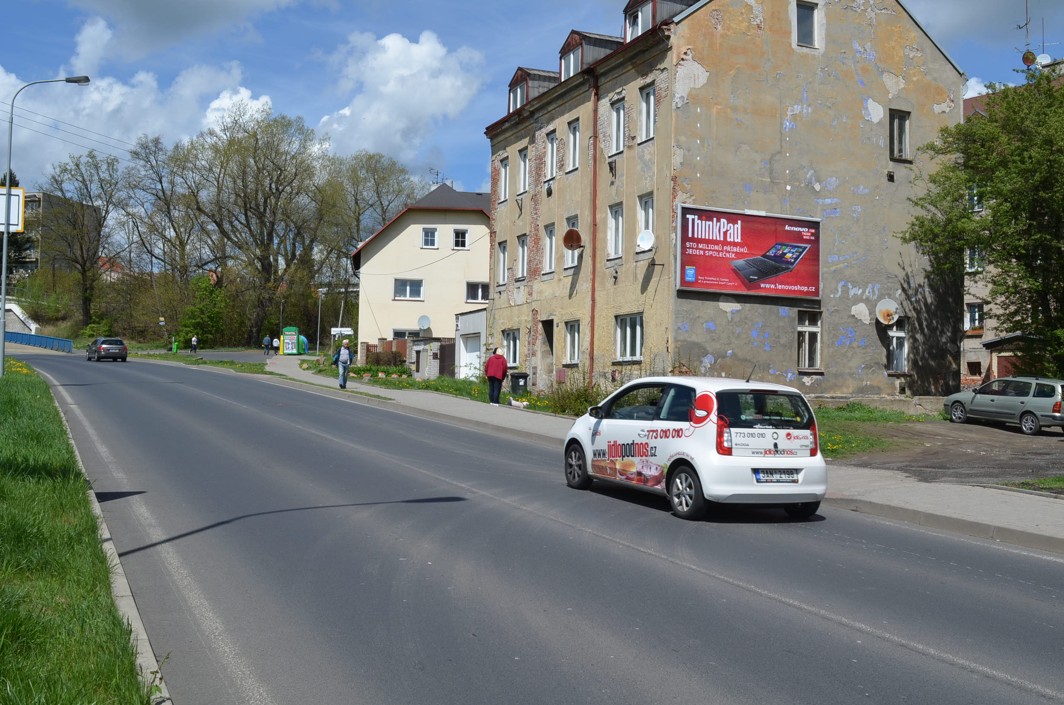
[594, 224]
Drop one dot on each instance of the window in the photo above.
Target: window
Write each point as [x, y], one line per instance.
[646, 212]
[552, 156]
[898, 347]
[973, 319]
[975, 200]
[548, 248]
[410, 289]
[646, 113]
[617, 127]
[899, 135]
[805, 14]
[400, 334]
[428, 238]
[615, 231]
[571, 256]
[638, 21]
[476, 292]
[574, 146]
[511, 345]
[572, 342]
[974, 260]
[461, 239]
[809, 340]
[571, 63]
[522, 170]
[504, 179]
[517, 96]
[500, 264]
[630, 337]
[522, 256]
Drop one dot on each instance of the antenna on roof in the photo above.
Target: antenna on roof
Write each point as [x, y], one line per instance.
[751, 372]
[438, 176]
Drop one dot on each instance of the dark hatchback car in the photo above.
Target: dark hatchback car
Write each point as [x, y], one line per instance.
[1032, 402]
[107, 349]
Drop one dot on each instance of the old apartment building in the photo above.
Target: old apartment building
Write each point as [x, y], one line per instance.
[720, 188]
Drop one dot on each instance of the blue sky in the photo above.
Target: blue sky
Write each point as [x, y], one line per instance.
[418, 80]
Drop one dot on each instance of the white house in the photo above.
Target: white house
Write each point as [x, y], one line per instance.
[424, 268]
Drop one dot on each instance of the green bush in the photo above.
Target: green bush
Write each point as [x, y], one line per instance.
[573, 396]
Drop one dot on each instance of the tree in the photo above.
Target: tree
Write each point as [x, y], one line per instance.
[87, 190]
[1010, 160]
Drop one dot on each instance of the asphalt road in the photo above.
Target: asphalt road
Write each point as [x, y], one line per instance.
[289, 545]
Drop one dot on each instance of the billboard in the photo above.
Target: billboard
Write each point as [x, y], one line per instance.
[747, 253]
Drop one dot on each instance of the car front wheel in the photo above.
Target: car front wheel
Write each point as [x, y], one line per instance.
[1030, 424]
[685, 493]
[576, 474]
[957, 413]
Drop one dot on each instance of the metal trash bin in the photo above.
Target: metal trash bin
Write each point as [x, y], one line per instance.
[518, 383]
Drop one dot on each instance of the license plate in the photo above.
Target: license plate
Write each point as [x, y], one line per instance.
[775, 475]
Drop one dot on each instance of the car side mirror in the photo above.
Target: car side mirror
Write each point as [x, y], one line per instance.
[595, 412]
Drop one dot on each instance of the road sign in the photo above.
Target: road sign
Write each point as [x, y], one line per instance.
[18, 207]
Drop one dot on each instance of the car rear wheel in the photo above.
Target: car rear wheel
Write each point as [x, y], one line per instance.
[1030, 424]
[576, 474]
[685, 493]
[802, 510]
[957, 413]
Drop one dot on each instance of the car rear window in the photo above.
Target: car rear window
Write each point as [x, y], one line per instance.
[764, 409]
[111, 341]
[1045, 391]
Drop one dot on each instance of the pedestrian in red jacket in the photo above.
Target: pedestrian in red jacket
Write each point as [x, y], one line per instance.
[495, 370]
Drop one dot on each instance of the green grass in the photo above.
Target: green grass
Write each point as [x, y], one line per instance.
[252, 368]
[62, 640]
[856, 428]
[1040, 484]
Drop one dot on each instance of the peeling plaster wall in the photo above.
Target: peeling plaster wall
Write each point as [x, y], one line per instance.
[763, 124]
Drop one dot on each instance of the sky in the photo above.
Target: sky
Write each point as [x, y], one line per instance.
[418, 80]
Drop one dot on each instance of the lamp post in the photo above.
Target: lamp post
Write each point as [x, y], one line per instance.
[80, 80]
[317, 340]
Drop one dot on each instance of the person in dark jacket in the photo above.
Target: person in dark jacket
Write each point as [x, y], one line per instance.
[343, 359]
[495, 370]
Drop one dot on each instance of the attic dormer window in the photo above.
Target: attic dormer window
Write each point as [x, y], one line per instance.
[638, 21]
[517, 96]
[571, 63]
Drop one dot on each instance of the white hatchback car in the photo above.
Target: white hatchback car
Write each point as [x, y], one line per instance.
[699, 440]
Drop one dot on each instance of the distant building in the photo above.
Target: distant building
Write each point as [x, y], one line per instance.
[422, 269]
[634, 197]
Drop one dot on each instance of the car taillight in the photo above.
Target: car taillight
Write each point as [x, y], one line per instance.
[1056, 407]
[724, 442]
[816, 442]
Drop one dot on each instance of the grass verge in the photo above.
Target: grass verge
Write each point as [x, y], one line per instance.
[62, 640]
[855, 428]
[251, 368]
[1054, 485]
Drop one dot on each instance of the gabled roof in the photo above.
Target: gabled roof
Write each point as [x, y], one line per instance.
[441, 198]
[523, 72]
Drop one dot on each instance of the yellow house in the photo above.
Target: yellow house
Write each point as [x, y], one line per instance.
[719, 189]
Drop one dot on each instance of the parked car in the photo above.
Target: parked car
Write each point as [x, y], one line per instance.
[1031, 402]
[700, 440]
[107, 349]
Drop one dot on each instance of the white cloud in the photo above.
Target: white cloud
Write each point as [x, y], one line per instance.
[92, 43]
[403, 90]
[221, 105]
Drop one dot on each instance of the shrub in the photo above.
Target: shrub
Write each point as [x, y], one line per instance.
[573, 396]
[391, 358]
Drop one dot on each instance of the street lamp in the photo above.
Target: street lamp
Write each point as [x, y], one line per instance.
[81, 81]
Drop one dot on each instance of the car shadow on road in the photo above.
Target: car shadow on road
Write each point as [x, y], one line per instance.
[716, 514]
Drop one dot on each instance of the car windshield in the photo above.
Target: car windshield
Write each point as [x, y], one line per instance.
[764, 409]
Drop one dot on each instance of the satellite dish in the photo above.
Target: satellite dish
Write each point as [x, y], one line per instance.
[424, 322]
[887, 312]
[645, 241]
[1043, 60]
[571, 240]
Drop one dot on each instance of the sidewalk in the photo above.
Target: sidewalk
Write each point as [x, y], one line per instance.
[1014, 517]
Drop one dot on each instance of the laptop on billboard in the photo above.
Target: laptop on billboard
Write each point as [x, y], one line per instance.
[778, 259]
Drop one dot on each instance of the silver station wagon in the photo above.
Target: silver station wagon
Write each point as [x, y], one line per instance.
[1031, 402]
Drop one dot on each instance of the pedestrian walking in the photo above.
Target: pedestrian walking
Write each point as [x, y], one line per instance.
[276, 346]
[195, 344]
[343, 359]
[266, 345]
[495, 370]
